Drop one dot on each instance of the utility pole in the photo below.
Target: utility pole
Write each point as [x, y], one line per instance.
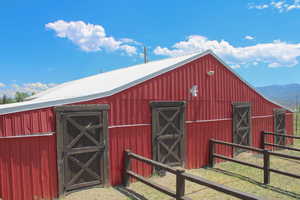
[297, 113]
[145, 55]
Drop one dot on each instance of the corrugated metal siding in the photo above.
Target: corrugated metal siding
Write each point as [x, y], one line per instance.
[136, 139]
[29, 122]
[216, 94]
[198, 136]
[28, 168]
[259, 125]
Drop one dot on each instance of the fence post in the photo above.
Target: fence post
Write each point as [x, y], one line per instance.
[180, 184]
[263, 139]
[127, 166]
[211, 153]
[266, 167]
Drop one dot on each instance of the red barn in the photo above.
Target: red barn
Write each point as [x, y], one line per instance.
[73, 135]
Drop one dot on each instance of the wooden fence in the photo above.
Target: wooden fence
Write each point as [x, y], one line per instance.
[181, 177]
[265, 143]
[266, 159]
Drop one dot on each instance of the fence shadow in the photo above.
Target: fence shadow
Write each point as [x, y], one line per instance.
[130, 193]
[245, 178]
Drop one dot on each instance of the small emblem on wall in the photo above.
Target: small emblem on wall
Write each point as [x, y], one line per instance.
[194, 90]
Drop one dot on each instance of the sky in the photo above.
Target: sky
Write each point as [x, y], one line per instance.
[44, 43]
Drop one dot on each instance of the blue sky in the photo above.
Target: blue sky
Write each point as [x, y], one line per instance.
[50, 42]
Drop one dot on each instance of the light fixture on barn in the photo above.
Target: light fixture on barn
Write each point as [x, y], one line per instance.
[210, 73]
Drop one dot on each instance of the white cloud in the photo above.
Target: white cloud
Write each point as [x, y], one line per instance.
[2, 85]
[281, 5]
[248, 37]
[274, 54]
[90, 37]
[130, 41]
[10, 90]
[235, 66]
[259, 7]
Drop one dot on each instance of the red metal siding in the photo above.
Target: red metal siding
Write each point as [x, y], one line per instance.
[136, 139]
[198, 136]
[28, 168]
[259, 125]
[216, 93]
[29, 122]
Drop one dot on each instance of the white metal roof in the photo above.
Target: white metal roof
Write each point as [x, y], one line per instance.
[104, 84]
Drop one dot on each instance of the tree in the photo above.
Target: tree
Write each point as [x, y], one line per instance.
[4, 99]
[20, 96]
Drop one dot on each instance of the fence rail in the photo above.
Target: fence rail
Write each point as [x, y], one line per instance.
[275, 134]
[266, 159]
[264, 143]
[181, 177]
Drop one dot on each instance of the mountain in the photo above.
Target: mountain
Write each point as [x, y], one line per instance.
[287, 95]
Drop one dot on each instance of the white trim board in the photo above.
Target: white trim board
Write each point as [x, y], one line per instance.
[191, 122]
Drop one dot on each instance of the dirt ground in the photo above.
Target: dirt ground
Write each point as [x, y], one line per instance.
[97, 194]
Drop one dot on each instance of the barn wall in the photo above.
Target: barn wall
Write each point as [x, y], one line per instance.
[29, 122]
[136, 139]
[198, 136]
[214, 100]
[28, 165]
[259, 125]
[28, 168]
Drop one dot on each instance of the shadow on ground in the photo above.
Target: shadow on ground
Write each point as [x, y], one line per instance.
[245, 178]
[130, 193]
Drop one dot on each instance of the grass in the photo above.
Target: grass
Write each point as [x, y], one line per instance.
[237, 176]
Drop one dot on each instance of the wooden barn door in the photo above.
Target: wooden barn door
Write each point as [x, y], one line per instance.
[168, 132]
[279, 126]
[241, 125]
[82, 146]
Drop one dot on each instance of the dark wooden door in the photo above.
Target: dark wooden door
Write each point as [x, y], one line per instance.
[279, 123]
[168, 132]
[241, 125]
[82, 146]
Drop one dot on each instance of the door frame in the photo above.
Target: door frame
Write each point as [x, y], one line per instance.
[161, 104]
[279, 111]
[59, 110]
[236, 104]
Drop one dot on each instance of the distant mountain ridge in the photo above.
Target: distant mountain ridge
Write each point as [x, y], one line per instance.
[287, 95]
